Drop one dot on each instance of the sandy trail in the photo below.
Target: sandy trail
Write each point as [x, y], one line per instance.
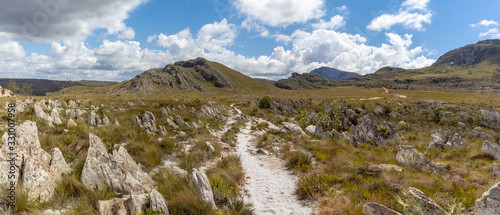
[269, 185]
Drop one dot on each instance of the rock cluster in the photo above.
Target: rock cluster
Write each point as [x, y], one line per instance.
[95, 120]
[134, 204]
[147, 122]
[117, 170]
[367, 132]
[51, 119]
[39, 171]
[489, 203]
[491, 149]
[442, 141]
[292, 127]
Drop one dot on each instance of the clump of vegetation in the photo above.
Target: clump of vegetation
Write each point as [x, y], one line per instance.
[265, 102]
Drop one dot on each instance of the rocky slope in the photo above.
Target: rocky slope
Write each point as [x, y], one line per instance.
[302, 81]
[192, 75]
[333, 74]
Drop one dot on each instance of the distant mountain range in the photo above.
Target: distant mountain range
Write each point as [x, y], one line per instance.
[333, 74]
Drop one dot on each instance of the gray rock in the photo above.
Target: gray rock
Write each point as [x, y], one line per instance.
[117, 170]
[442, 141]
[116, 122]
[379, 111]
[163, 130]
[202, 186]
[114, 206]
[395, 115]
[489, 203]
[180, 121]
[408, 156]
[491, 149]
[377, 209]
[292, 127]
[136, 204]
[211, 149]
[94, 119]
[130, 104]
[157, 202]
[172, 124]
[319, 132]
[428, 206]
[58, 165]
[496, 170]
[105, 121]
[55, 116]
[140, 102]
[311, 129]
[366, 132]
[71, 124]
[164, 111]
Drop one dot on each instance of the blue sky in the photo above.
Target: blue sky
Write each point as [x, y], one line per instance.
[118, 39]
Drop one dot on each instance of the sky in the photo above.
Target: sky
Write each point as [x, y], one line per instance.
[114, 40]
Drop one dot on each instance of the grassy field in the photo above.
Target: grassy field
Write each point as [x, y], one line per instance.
[332, 172]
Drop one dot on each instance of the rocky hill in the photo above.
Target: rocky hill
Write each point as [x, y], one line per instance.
[471, 55]
[471, 68]
[333, 74]
[198, 75]
[302, 81]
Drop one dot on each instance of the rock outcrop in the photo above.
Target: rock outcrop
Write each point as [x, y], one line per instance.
[117, 170]
[428, 206]
[202, 186]
[442, 141]
[408, 156]
[39, 171]
[367, 132]
[377, 209]
[147, 122]
[292, 127]
[491, 149]
[135, 204]
[489, 203]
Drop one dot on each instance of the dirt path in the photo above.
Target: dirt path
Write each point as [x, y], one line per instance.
[269, 185]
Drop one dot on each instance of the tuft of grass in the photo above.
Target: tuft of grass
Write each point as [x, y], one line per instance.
[299, 160]
[315, 185]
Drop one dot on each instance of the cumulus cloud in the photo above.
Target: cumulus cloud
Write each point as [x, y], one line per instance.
[335, 23]
[491, 29]
[122, 59]
[46, 21]
[413, 14]
[280, 12]
[485, 23]
[11, 50]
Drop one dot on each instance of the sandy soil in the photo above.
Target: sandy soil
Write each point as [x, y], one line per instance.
[269, 185]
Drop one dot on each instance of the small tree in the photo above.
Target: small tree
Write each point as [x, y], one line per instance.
[13, 86]
[265, 102]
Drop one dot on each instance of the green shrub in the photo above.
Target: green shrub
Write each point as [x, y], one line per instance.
[299, 160]
[265, 102]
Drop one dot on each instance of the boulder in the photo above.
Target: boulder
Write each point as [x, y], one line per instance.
[157, 202]
[395, 115]
[105, 121]
[489, 203]
[311, 129]
[408, 156]
[71, 124]
[57, 163]
[442, 141]
[180, 121]
[428, 206]
[491, 149]
[117, 170]
[292, 127]
[94, 120]
[55, 116]
[202, 186]
[116, 122]
[377, 209]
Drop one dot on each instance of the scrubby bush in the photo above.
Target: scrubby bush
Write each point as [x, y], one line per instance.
[265, 102]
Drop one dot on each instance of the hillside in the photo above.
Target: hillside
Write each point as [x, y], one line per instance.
[471, 68]
[193, 75]
[302, 81]
[40, 87]
[333, 74]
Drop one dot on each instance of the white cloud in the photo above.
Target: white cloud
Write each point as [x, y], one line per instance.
[120, 60]
[342, 9]
[412, 15]
[492, 32]
[58, 20]
[485, 23]
[335, 23]
[280, 12]
[11, 51]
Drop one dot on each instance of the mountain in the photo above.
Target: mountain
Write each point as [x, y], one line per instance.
[198, 75]
[472, 68]
[302, 81]
[333, 74]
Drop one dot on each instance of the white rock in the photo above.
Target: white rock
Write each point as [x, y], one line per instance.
[202, 186]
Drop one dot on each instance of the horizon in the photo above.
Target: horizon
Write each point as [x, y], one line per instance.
[56, 39]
